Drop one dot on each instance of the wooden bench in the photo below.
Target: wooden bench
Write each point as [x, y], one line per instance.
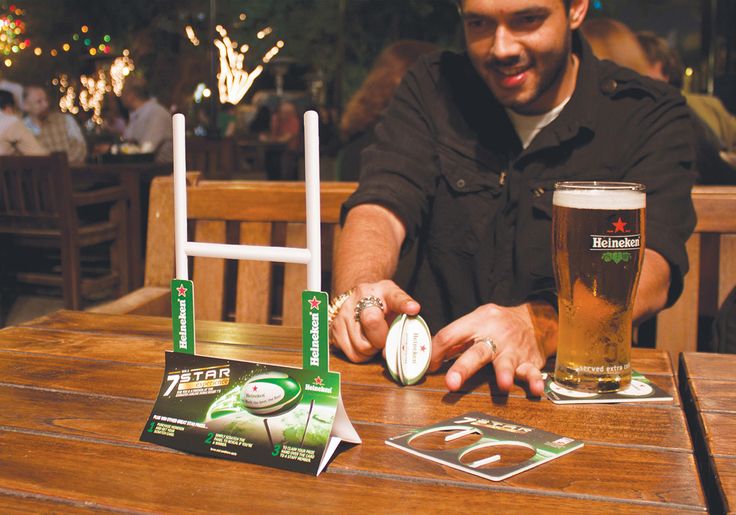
[712, 253]
[248, 212]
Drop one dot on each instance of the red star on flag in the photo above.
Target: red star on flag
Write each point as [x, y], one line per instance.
[620, 225]
[318, 381]
[182, 291]
[314, 303]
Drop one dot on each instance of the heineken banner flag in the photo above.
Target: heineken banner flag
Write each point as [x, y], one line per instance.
[272, 415]
[182, 315]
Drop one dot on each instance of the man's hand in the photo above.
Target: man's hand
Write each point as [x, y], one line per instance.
[519, 353]
[361, 339]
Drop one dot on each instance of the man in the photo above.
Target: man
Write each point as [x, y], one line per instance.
[150, 122]
[57, 132]
[464, 167]
[15, 138]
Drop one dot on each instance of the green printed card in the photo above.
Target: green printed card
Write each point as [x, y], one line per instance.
[272, 415]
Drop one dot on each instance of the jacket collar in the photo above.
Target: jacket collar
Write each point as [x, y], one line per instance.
[580, 112]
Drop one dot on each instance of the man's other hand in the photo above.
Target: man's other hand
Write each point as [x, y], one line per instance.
[514, 353]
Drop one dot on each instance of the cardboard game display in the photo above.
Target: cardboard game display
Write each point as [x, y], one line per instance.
[261, 413]
[484, 445]
[641, 389]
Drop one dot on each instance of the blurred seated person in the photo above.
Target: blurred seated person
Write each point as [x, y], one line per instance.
[368, 103]
[285, 128]
[15, 137]
[261, 121]
[57, 132]
[667, 66]
[226, 120]
[150, 122]
[114, 115]
[613, 40]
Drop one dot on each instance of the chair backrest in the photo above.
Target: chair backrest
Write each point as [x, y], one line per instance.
[215, 158]
[36, 191]
[712, 254]
[246, 212]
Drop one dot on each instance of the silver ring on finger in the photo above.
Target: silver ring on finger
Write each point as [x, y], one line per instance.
[367, 302]
[488, 342]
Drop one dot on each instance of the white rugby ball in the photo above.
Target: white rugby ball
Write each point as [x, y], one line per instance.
[270, 393]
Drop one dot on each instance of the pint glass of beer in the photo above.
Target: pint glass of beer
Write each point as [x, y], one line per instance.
[598, 247]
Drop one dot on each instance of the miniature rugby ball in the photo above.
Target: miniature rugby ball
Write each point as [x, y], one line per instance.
[270, 393]
[408, 349]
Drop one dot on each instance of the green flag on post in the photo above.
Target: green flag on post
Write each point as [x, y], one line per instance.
[314, 330]
[182, 315]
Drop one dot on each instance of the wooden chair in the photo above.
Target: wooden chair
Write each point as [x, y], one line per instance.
[39, 210]
[248, 212]
[215, 158]
[712, 253]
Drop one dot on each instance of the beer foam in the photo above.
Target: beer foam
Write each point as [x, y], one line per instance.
[600, 199]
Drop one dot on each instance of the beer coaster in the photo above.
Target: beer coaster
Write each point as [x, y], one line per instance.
[408, 349]
[484, 445]
[641, 389]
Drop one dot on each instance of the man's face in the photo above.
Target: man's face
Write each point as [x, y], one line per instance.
[522, 49]
[36, 103]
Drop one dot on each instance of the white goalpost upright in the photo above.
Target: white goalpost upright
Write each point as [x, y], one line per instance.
[310, 256]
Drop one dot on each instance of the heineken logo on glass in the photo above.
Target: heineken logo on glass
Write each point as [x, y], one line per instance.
[616, 242]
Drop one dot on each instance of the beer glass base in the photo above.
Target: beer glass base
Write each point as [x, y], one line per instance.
[593, 384]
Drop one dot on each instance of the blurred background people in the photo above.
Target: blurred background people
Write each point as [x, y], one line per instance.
[15, 137]
[285, 128]
[226, 120]
[666, 65]
[56, 131]
[371, 99]
[613, 40]
[150, 122]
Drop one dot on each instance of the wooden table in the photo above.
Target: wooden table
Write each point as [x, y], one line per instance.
[136, 179]
[77, 388]
[708, 387]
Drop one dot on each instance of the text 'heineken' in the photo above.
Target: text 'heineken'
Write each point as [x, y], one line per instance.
[598, 247]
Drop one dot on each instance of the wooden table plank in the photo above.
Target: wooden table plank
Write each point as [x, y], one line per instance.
[721, 433]
[707, 384]
[160, 327]
[119, 421]
[19, 502]
[715, 395]
[130, 477]
[726, 469]
[704, 365]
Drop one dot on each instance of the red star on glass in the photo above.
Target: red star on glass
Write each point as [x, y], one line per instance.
[619, 225]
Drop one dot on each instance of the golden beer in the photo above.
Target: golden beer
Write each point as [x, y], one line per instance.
[598, 247]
